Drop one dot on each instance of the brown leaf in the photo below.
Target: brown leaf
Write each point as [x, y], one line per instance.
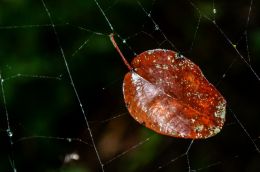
[170, 95]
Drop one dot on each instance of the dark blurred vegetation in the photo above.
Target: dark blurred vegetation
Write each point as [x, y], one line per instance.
[49, 107]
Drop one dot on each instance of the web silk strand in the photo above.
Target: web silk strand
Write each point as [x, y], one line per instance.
[73, 85]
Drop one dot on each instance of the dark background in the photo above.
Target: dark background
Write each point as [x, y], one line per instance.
[44, 112]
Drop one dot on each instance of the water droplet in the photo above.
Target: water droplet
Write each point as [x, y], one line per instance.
[156, 27]
[9, 133]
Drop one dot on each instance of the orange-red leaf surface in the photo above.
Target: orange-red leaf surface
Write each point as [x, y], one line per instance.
[170, 95]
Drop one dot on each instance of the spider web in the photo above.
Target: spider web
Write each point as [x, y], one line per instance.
[62, 106]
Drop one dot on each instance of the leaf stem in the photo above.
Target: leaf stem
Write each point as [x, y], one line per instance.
[119, 51]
